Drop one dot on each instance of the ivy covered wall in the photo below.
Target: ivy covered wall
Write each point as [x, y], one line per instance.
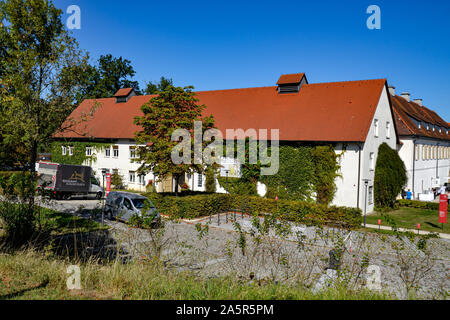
[79, 156]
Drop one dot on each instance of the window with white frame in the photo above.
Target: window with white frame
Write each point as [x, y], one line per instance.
[200, 180]
[142, 179]
[371, 195]
[132, 152]
[388, 130]
[70, 151]
[372, 161]
[88, 151]
[115, 151]
[377, 129]
[417, 152]
[64, 150]
[132, 177]
[107, 152]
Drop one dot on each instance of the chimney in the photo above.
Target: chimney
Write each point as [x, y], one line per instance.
[419, 102]
[291, 83]
[392, 90]
[406, 96]
[123, 95]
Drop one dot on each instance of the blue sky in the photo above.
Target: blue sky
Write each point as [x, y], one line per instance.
[234, 44]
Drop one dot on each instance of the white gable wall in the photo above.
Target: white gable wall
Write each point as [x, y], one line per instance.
[347, 184]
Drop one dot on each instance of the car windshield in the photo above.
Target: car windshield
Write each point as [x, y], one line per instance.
[140, 203]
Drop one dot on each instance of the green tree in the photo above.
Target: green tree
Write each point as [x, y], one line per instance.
[174, 108]
[390, 177]
[105, 78]
[42, 70]
[154, 88]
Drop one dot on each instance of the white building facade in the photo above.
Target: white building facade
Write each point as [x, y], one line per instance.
[424, 147]
[355, 117]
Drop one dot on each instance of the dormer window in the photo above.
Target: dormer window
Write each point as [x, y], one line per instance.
[123, 95]
[291, 83]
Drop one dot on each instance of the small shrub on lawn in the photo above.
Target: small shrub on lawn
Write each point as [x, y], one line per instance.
[418, 204]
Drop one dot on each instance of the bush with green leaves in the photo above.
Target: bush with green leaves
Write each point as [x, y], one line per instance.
[418, 204]
[191, 207]
[210, 180]
[390, 177]
[238, 186]
[117, 181]
[17, 212]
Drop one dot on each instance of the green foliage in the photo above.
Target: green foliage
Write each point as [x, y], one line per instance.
[326, 169]
[418, 204]
[41, 73]
[17, 214]
[390, 176]
[238, 186]
[294, 180]
[79, 156]
[117, 181]
[106, 78]
[155, 88]
[305, 171]
[191, 207]
[210, 181]
[172, 109]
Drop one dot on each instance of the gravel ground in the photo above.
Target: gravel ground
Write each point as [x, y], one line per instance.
[300, 256]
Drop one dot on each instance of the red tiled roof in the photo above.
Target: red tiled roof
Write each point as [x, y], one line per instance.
[405, 110]
[123, 92]
[334, 112]
[291, 78]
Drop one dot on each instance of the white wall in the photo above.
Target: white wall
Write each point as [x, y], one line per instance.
[425, 177]
[122, 163]
[347, 185]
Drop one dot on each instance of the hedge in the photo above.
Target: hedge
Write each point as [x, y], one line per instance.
[191, 207]
[418, 204]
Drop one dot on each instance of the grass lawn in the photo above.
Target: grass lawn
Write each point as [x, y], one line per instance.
[410, 217]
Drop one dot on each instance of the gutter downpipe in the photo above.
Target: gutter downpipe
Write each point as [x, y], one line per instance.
[359, 176]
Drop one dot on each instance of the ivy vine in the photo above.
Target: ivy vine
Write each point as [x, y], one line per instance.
[79, 156]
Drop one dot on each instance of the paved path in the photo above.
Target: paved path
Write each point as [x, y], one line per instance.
[422, 232]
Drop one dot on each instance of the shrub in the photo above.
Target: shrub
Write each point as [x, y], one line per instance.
[117, 181]
[190, 207]
[17, 210]
[390, 176]
[210, 181]
[238, 186]
[418, 204]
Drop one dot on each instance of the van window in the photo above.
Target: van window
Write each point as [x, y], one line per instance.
[127, 204]
[140, 203]
[118, 201]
